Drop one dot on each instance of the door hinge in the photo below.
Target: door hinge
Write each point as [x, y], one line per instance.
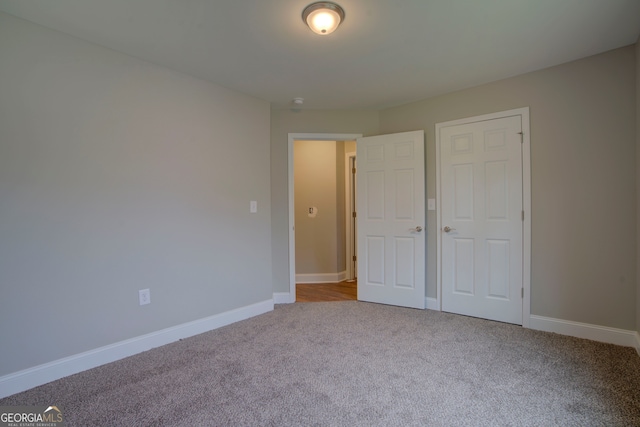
[522, 293]
[523, 215]
[354, 258]
[354, 214]
[353, 171]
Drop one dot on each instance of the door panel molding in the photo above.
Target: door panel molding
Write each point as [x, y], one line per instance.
[462, 147]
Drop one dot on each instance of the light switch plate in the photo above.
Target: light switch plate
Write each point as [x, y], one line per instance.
[253, 206]
[431, 204]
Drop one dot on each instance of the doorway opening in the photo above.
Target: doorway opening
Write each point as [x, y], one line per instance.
[312, 214]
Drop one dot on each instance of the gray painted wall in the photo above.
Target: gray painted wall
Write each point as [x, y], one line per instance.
[284, 122]
[638, 183]
[117, 175]
[583, 125]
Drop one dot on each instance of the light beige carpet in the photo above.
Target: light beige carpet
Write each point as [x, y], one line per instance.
[357, 364]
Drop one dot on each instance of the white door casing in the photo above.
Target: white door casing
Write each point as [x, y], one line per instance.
[481, 224]
[391, 219]
[350, 208]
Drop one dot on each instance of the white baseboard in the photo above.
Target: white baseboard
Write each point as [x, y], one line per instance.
[283, 298]
[321, 278]
[432, 304]
[585, 330]
[42, 374]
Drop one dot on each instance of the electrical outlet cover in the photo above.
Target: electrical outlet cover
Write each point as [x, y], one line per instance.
[144, 296]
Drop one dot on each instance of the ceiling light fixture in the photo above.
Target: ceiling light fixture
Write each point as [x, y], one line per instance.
[323, 17]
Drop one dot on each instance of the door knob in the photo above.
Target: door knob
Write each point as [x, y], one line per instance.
[418, 229]
[448, 229]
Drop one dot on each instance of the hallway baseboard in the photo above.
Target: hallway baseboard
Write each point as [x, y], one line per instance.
[321, 278]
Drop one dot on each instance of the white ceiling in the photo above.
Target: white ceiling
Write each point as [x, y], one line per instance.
[386, 53]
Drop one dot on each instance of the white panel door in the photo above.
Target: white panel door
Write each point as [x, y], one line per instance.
[391, 219]
[481, 219]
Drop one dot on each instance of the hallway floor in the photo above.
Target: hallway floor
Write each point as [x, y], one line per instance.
[320, 292]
